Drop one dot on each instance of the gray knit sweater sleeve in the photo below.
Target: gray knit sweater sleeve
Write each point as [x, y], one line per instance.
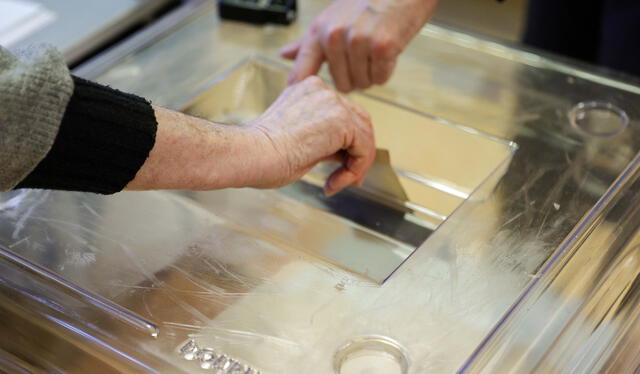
[35, 87]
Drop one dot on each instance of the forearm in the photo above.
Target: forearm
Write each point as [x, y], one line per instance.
[110, 140]
[192, 153]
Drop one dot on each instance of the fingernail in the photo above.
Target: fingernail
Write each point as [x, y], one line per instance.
[346, 89]
[328, 190]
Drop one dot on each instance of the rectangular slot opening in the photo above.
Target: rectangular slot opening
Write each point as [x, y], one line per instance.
[437, 163]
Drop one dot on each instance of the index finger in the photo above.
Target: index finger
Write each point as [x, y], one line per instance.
[309, 59]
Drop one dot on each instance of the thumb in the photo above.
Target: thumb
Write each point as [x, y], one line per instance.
[290, 51]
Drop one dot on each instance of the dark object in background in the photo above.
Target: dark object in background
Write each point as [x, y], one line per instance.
[259, 11]
[604, 32]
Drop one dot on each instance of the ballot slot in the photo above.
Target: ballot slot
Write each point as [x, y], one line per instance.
[437, 165]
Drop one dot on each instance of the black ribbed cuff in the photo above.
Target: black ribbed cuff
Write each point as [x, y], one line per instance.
[104, 138]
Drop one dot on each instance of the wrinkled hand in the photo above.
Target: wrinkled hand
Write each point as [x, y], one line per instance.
[310, 123]
[360, 40]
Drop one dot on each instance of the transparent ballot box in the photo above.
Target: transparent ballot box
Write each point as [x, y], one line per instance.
[504, 191]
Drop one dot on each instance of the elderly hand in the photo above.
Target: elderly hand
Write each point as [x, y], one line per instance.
[310, 123]
[360, 40]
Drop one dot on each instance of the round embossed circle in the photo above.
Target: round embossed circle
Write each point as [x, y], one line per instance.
[373, 354]
[598, 118]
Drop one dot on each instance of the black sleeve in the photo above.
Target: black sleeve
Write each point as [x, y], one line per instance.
[104, 138]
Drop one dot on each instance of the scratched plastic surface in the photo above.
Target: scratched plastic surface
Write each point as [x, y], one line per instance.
[582, 315]
[171, 260]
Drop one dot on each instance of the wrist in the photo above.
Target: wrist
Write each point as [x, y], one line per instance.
[193, 153]
[250, 157]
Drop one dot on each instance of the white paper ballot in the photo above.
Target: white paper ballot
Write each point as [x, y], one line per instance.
[21, 18]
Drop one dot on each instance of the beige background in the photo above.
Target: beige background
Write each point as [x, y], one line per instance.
[503, 20]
